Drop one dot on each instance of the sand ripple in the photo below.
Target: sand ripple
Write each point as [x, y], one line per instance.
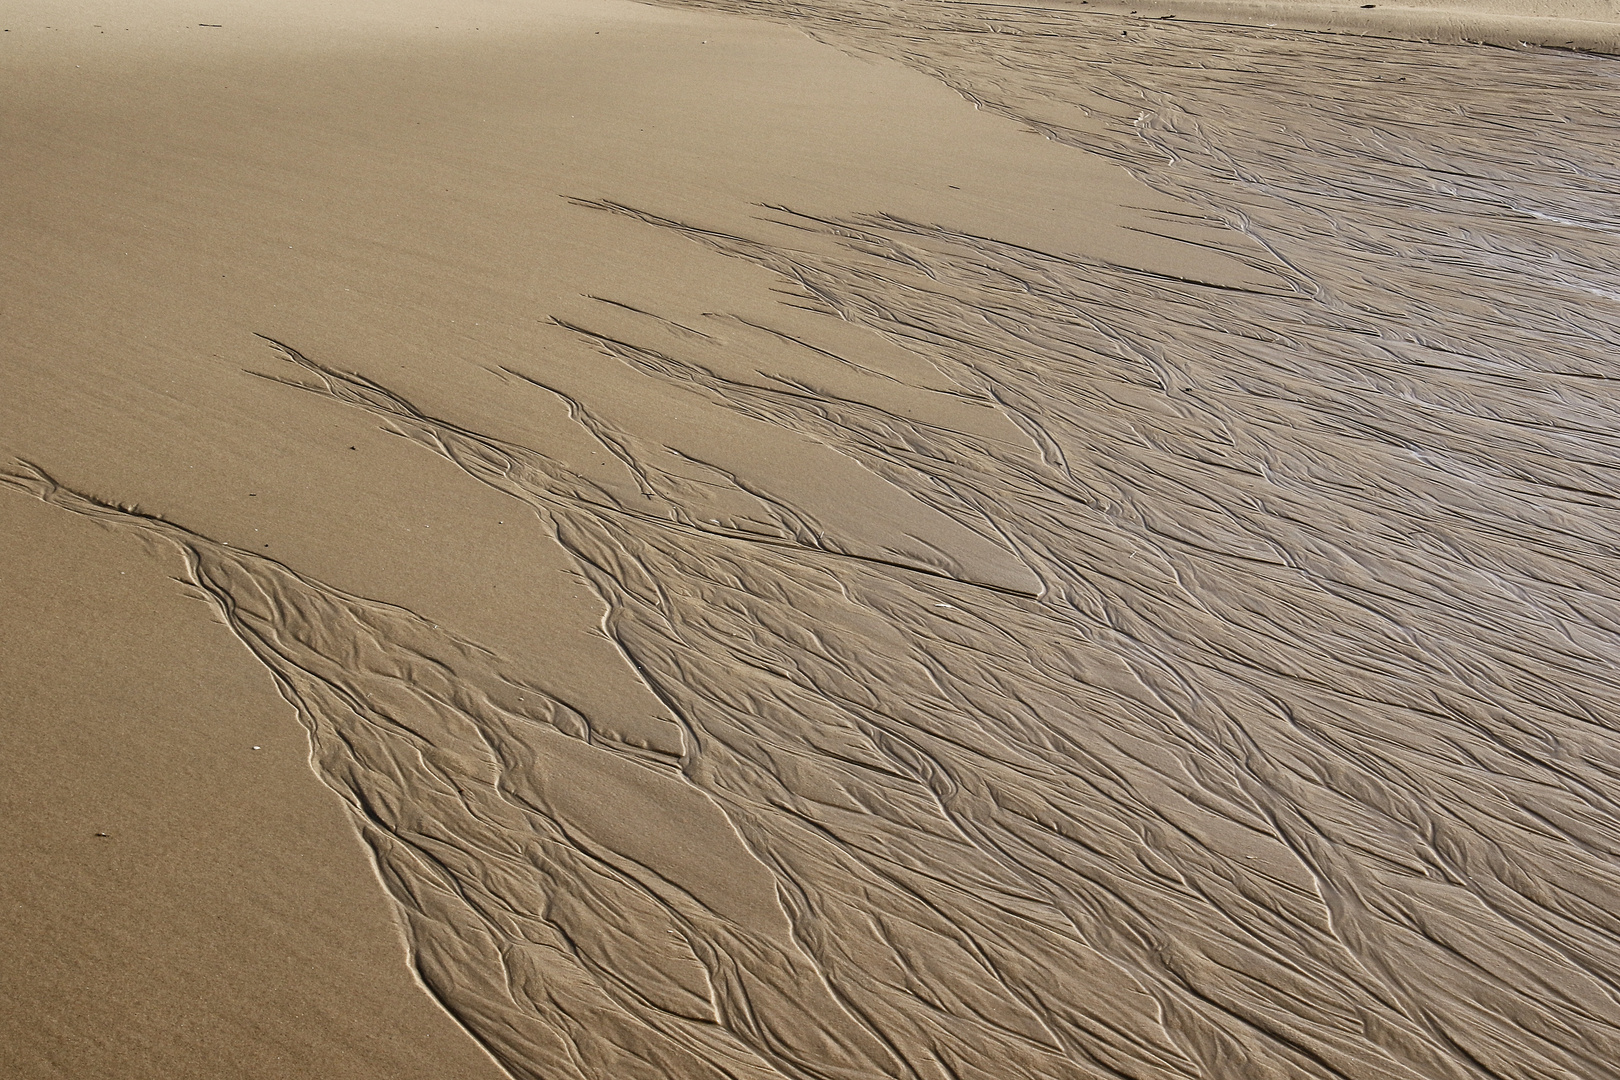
[1295, 753]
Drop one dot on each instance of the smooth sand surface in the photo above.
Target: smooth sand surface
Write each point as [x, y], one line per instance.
[740, 539]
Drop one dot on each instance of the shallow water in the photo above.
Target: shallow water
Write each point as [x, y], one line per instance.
[1282, 742]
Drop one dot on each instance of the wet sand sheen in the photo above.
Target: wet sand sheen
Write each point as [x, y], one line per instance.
[826, 619]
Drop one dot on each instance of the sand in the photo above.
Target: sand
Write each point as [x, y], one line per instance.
[1586, 25]
[741, 539]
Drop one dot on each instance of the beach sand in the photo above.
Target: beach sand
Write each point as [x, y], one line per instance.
[735, 539]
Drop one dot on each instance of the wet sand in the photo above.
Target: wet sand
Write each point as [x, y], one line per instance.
[740, 539]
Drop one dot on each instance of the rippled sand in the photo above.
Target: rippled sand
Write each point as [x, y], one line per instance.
[1190, 656]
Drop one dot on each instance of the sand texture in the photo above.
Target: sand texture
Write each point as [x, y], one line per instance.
[1585, 25]
[912, 540]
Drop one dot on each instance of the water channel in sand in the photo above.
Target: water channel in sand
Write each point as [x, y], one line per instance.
[1257, 715]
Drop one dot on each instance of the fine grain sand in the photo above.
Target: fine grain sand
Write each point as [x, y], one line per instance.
[739, 539]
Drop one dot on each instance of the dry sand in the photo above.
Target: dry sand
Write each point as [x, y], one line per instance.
[842, 540]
